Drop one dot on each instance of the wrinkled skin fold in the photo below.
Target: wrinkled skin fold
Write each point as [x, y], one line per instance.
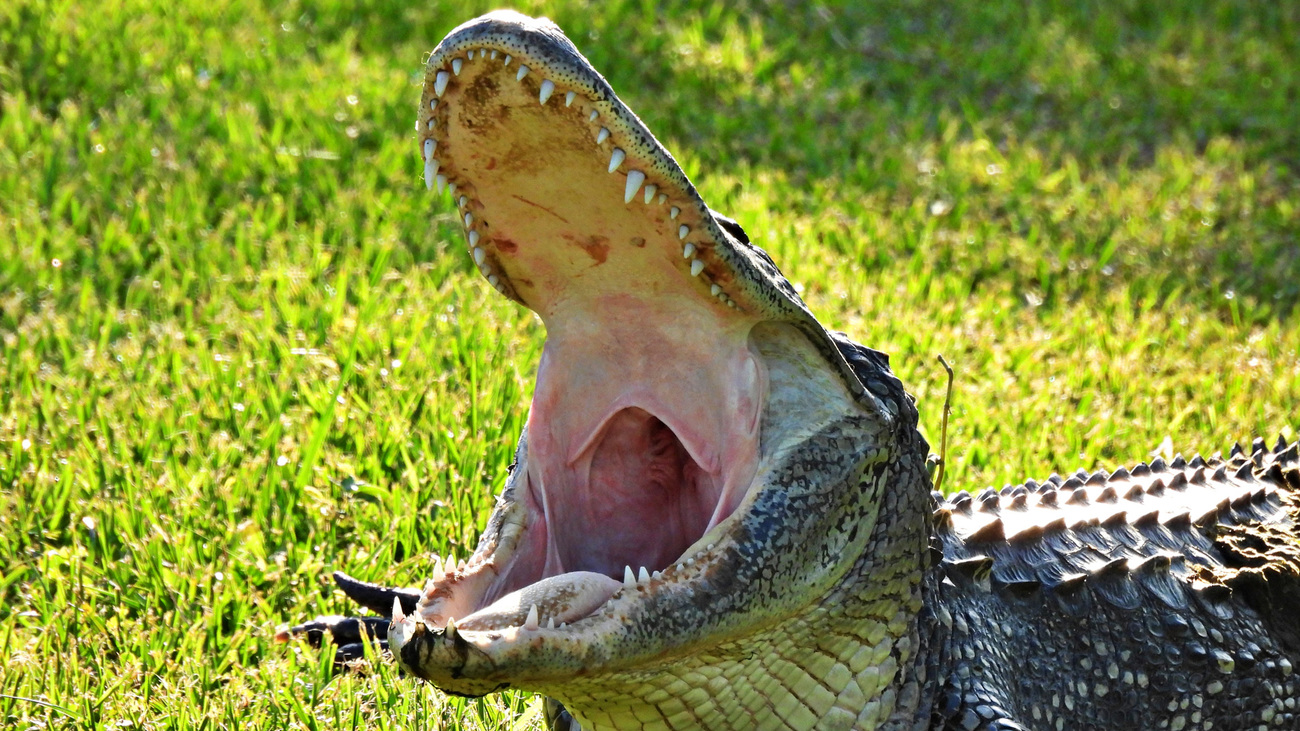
[720, 517]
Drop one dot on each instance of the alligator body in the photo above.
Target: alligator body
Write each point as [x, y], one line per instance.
[720, 515]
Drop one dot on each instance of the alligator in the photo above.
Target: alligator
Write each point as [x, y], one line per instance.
[720, 514]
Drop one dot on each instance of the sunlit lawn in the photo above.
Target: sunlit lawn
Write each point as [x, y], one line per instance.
[241, 346]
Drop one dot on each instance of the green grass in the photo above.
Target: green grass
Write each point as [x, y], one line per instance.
[241, 346]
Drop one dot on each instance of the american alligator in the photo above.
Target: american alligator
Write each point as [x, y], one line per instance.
[720, 516]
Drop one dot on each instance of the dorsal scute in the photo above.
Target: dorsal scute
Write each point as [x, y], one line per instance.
[1115, 536]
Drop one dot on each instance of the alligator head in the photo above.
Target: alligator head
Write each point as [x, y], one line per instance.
[703, 462]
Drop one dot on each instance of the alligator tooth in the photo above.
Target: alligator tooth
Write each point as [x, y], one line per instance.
[449, 563]
[438, 573]
[634, 180]
[433, 105]
[531, 622]
[398, 615]
[731, 304]
[650, 193]
[456, 64]
[688, 251]
[592, 117]
[469, 220]
[506, 62]
[663, 198]
[642, 575]
[672, 212]
[523, 71]
[440, 181]
[451, 188]
[697, 266]
[429, 146]
[550, 622]
[470, 55]
[428, 125]
[602, 135]
[656, 575]
[430, 172]
[493, 55]
[715, 290]
[462, 201]
[568, 99]
[616, 159]
[479, 255]
[548, 87]
[493, 280]
[440, 82]
[682, 230]
[450, 629]
[629, 580]
[473, 238]
[563, 625]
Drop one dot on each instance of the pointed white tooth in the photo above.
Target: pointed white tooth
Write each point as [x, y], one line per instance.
[441, 182]
[470, 55]
[451, 188]
[494, 280]
[398, 615]
[697, 266]
[469, 220]
[429, 586]
[433, 105]
[592, 117]
[438, 573]
[506, 62]
[688, 251]
[473, 238]
[493, 55]
[682, 230]
[428, 125]
[429, 146]
[642, 575]
[449, 563]
[430, 172]
[563, 625]
[479, 255]
[634, 180]
[731, 304]
[616, 159]
[629, 579]
[450, 628]
[462, 201]
[674, 211]
[550, 623]
[456, 63]
[523, 71]
[663, 198]
[650, 193]
[440, 82]
[568, 98]
[715, 290]
[532, 622]
[602, 135]
[656, 574]
[548, 88]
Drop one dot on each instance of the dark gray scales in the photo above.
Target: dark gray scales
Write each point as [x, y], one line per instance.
[1163, 597]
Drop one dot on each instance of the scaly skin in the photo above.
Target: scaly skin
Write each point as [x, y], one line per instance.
[830, 589]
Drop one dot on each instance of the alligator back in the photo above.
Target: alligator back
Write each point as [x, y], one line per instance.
[1162, 597]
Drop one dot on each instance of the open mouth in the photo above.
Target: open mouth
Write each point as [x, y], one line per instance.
[643, 437]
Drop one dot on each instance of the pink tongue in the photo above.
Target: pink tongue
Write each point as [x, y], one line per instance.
[564, 598]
